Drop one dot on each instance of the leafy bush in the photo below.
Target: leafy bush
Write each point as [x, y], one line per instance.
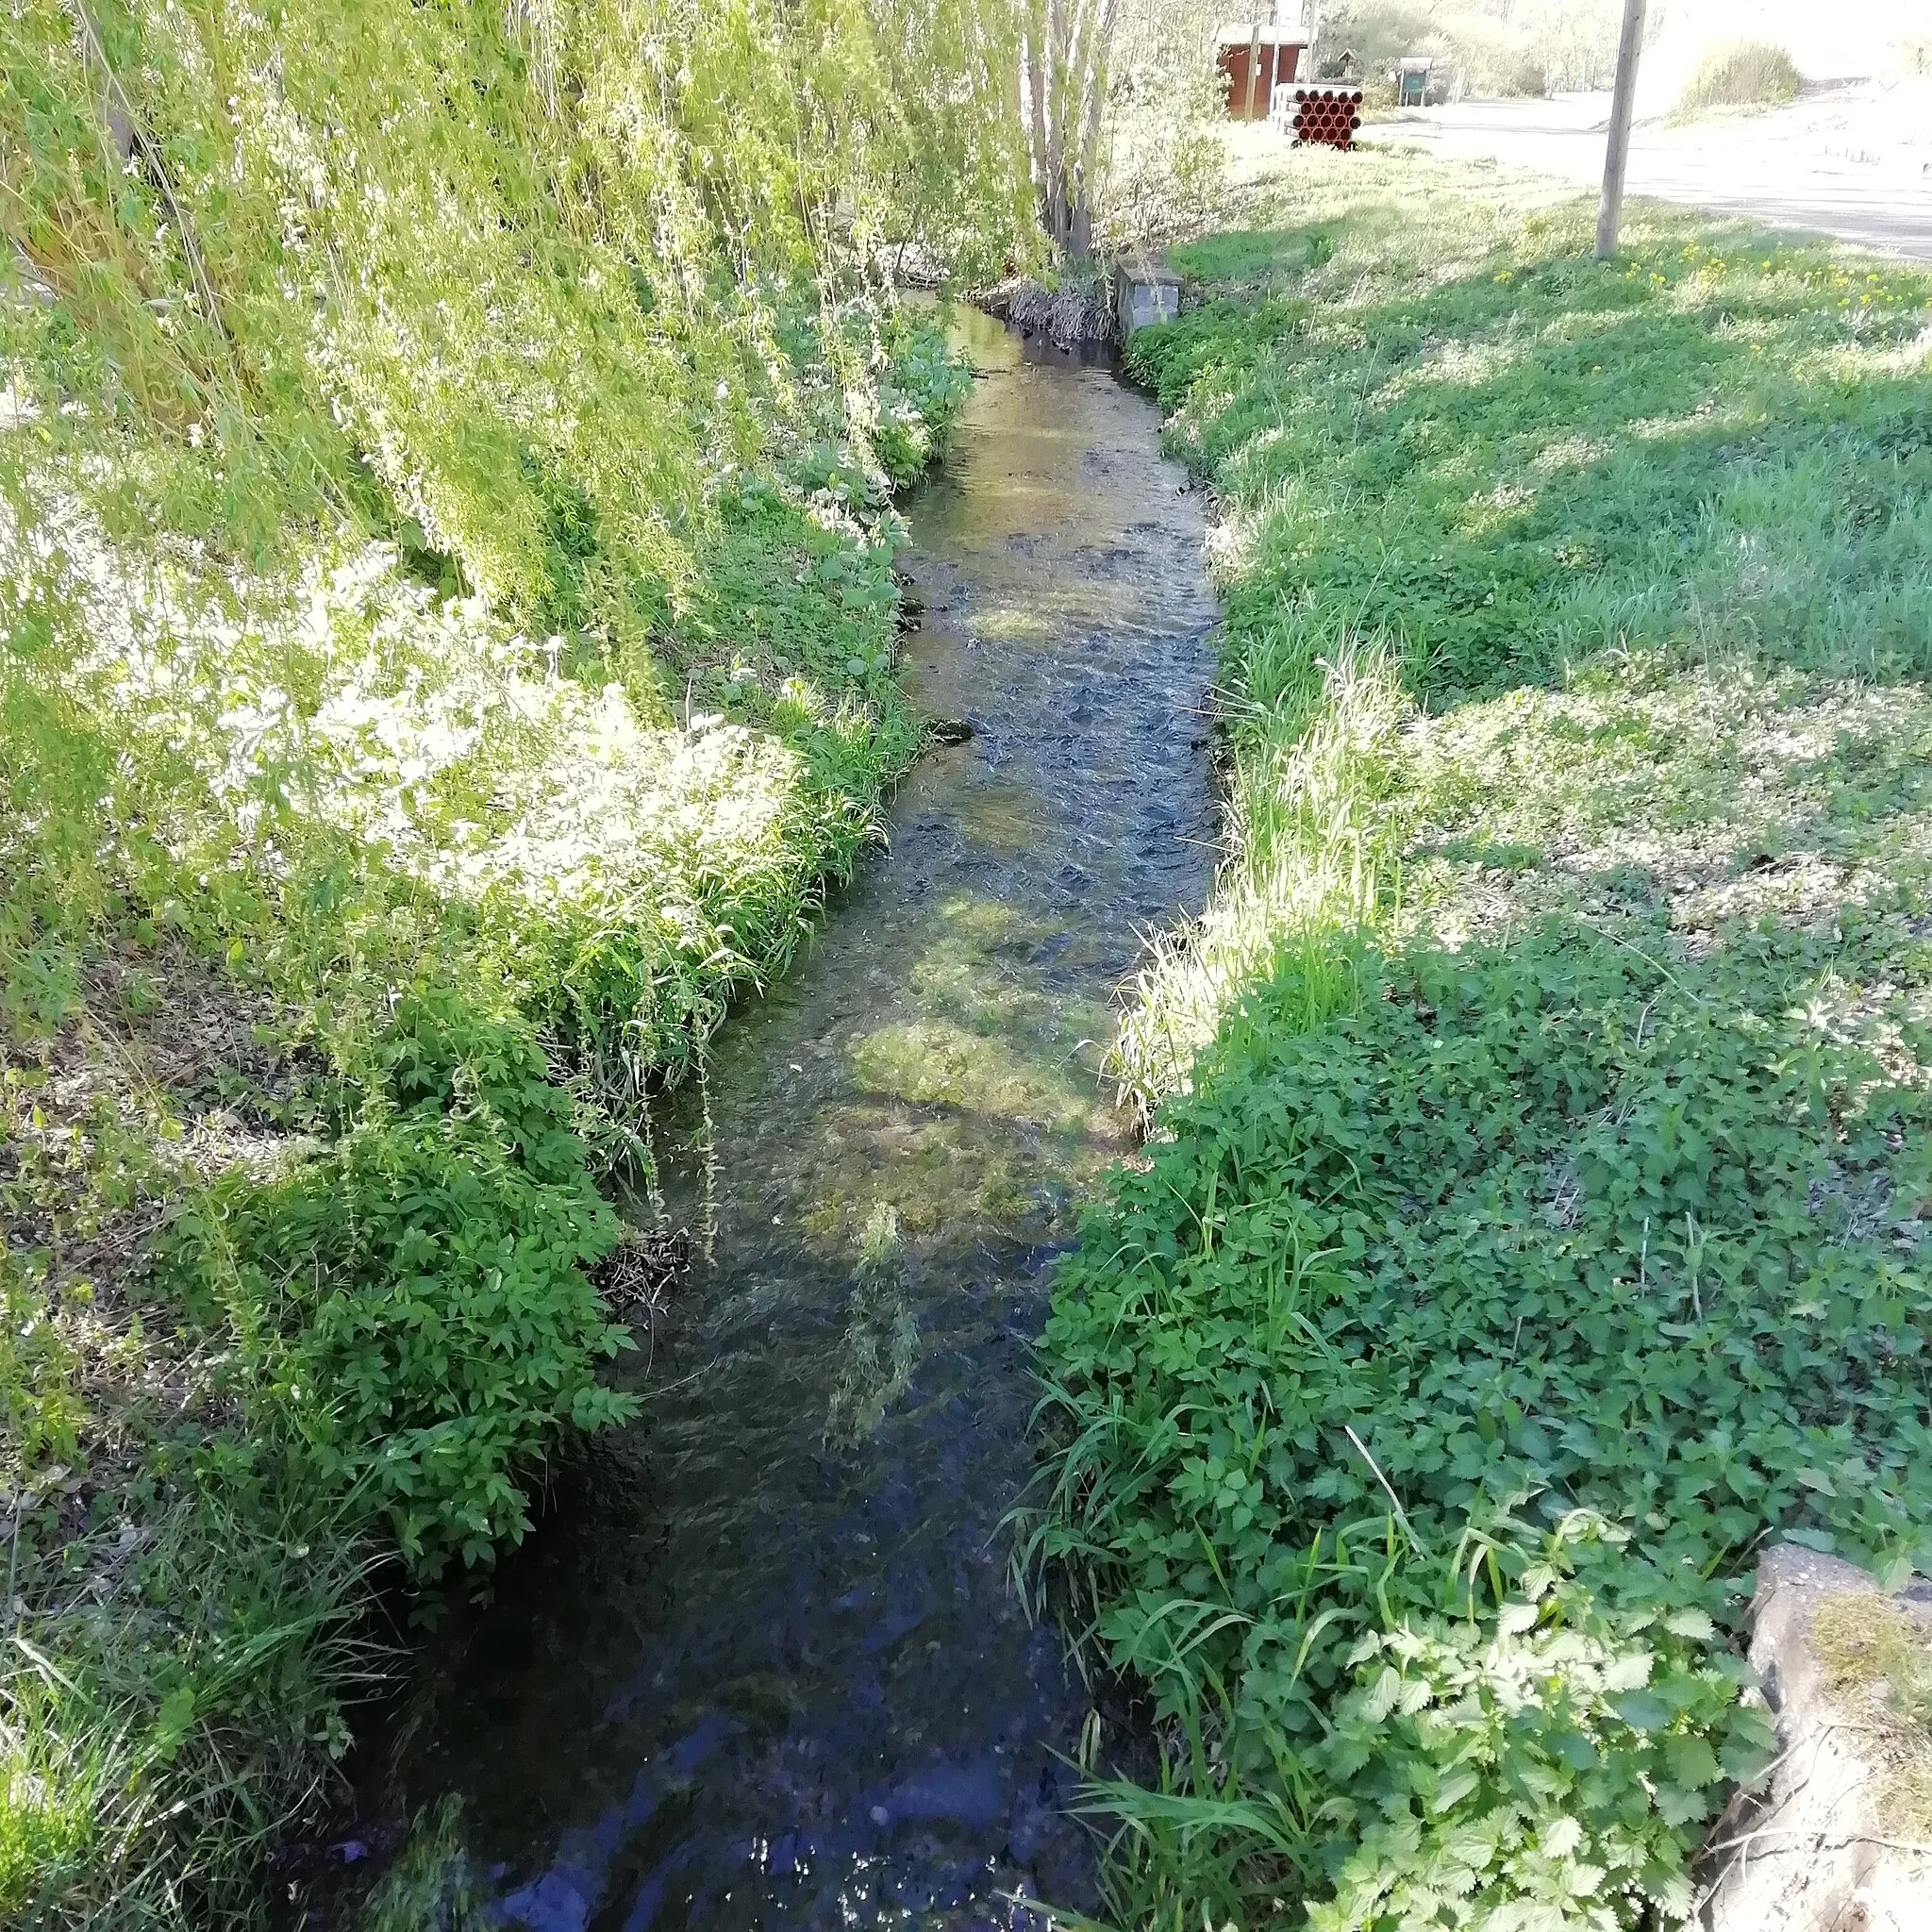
[429, 1272]
[919, 399]
[1554, 1765]
[1739, 74]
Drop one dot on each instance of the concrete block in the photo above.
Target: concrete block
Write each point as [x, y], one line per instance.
[1144, 291]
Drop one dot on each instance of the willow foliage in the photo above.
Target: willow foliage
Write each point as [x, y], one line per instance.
[482, 274]
[445, 629]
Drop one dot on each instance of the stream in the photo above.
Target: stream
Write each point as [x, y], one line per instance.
[761, 1664]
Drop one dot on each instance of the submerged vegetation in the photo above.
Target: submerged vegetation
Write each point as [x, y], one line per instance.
[449, 623]
[1533, 1221]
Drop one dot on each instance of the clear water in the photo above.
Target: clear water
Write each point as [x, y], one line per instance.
[762, 1664]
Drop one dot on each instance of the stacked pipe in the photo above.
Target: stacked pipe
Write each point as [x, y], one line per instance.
[1329, 115]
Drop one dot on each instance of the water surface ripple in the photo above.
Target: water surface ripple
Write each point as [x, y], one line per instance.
[762, 1665]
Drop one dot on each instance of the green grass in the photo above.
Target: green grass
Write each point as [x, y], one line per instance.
[348, 926]
[1531, 1219]
[446, 644]
[341, 958]
[1739, 74]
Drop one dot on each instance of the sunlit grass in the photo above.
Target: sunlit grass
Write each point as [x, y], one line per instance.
[1459, 448]
[348, 929]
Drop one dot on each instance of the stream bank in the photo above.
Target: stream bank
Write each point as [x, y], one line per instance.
[762, 1665]
[1535, 1232]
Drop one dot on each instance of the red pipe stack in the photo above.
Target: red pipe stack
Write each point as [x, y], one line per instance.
[1329, 115]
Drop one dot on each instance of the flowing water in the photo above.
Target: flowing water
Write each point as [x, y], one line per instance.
[762, 1665]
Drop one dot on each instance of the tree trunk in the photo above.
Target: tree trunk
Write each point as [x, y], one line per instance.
[1065, 53]
[1101, 55]
[1035, 57]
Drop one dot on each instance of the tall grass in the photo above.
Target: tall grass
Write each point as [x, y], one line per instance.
[1739, 74]
[1309, 873]
[170, 1712]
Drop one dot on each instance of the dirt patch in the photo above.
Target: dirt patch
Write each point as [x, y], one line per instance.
[139, 1077]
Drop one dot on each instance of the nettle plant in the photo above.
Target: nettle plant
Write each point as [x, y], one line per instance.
[1555, 1758]
[434, 1258]
[1422, 1402]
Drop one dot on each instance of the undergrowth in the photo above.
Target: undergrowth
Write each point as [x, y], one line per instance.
[449, 621]
[1532, 1221]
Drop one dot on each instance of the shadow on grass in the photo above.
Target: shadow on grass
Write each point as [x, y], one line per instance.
[1537, 1228]
[1704, 444]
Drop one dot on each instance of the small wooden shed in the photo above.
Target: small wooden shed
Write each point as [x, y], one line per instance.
[1255, 57]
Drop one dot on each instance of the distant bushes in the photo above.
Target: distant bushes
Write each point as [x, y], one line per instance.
[1739, 74]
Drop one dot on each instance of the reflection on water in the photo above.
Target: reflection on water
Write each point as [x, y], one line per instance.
[760, 1666]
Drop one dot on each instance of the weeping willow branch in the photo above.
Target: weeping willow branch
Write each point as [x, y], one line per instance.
[129, 135]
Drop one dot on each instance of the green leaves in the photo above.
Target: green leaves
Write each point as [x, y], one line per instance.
[419, 1295]
[1612, 1212]
[174, 1720]
[1583, 1452]
[1484, 1769]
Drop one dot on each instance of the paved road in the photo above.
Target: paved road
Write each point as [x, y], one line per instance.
[1854, 162]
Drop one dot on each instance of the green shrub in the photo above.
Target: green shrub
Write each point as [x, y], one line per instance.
[420, 1291]
[1547, 1765]
[919, 399]
[1739, 74]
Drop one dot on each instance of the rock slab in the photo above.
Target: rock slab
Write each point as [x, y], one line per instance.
[1810, 1855]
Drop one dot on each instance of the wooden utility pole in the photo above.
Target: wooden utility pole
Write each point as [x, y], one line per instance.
[1622, 105]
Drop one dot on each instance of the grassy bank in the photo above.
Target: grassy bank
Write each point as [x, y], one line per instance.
[445, 576]
[1533, 1221]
